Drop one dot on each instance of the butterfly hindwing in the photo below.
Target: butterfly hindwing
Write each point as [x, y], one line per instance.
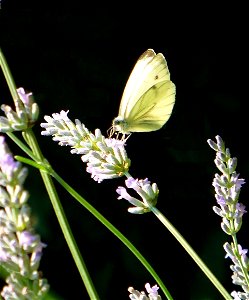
[153, 109]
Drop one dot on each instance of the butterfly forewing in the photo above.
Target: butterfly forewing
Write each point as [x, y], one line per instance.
[149, 70]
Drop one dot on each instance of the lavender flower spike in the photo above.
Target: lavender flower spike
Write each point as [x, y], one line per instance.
[227, 187]
[145, 190]
[20, 247]
[106, 158]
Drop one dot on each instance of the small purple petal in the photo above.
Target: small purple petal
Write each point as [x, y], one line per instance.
[131, 182]
[24, 96]
[152, 290]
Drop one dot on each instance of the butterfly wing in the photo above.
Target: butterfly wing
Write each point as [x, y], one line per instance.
[153, 109]
[149, 69]
[149, 95]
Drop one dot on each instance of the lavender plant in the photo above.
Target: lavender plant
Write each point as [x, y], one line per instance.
[105, 158]
[227, 187]
[101, 161]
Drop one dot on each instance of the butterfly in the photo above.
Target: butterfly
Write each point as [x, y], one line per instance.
[148, 98]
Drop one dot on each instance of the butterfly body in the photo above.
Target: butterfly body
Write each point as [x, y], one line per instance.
[148, 97]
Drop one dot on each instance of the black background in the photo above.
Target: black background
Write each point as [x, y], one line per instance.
[77, 56]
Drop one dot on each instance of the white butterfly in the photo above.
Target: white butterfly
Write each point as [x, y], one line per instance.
[148, 97]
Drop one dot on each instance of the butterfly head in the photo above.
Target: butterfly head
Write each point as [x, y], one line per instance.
[119, 126]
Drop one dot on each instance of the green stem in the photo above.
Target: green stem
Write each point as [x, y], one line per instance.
[37, 156]
[191, 252]
[189, 249]
[93, 211]
[114, 230]
[58, 210]
[8, 77]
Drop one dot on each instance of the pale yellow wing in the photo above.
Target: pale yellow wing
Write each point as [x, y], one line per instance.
[150, 69]
[153, 109]
[148, 98]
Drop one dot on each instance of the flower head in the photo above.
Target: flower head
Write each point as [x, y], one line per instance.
[144, 189]
[24, 116]
[227, 187]
[106, 158]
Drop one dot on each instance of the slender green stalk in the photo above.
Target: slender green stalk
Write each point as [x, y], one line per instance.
[191, 252]
[59, 213]
[114, 230]
[189, 249]
[102, 219]
[167, 224]
[8, 77]
[37, 155]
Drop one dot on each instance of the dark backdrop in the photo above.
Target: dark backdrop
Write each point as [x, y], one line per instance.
[78, 58]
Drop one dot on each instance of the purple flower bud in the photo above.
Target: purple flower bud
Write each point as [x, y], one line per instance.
[212, 144]
[147, 192]
[220, 143]
[28, 240]
[232, 164]
[152, 290]
[25, 97]
[226, 228]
